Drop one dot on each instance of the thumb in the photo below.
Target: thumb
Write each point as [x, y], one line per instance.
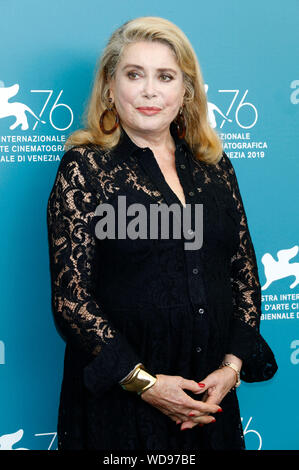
[195, 387]
[204, 385]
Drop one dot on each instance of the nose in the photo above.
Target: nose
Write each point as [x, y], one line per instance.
[149, 89]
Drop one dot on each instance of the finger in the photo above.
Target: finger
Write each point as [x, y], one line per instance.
[195, 413]
[205, 395]
[171, 413]
[176, 418]
[201, 407]
[205, 384]
[206, 419]
[179, 418]
[213, 396]
[189, 425]
[196, 387]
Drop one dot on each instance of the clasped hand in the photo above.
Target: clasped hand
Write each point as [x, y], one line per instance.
[168, 395]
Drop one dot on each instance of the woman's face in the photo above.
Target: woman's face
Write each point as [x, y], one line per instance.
[147, 88]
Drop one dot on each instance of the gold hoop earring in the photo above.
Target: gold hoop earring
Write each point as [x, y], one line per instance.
[104, 114]
[181, 124]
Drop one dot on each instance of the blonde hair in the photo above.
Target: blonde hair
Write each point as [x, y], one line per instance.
[201, 137]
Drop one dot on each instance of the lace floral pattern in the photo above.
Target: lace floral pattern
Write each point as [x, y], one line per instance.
[123, 302]
[70, 214]
[244, 278]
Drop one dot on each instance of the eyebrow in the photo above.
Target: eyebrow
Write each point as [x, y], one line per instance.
[140, 67]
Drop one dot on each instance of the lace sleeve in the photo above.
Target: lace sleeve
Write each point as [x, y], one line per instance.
[245, 340]
[79, 317]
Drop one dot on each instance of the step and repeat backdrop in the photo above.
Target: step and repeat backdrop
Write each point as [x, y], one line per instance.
[249, 58]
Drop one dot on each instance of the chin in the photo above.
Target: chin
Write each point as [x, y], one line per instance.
[148, 126]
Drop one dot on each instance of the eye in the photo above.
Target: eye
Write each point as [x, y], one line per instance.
[165, 77]
[133, 75]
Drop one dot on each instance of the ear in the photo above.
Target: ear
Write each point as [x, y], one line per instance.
[110, 95]
[111, 89]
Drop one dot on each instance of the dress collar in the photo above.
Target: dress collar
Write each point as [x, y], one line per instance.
[126, 147]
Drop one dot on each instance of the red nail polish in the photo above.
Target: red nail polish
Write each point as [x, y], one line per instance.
[201, 425]
[201, 385]
[213, 420]
[191, 414]
[220, 410]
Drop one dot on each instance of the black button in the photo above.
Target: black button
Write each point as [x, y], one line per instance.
[195, 271]
[201, 310]
[198, 349]
[191, 193]
[183, 167]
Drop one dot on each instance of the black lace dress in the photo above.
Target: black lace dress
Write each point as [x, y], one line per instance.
[119, 301]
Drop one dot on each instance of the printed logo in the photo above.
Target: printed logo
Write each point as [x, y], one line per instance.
[242, 107]
[280, 306]
[16, 109]
[2, 353]
[32, 147]
[294, 98]
[295, 354]
[7, 441]
[233, 109]
[275, 270]
[212, 108]
[247, 431]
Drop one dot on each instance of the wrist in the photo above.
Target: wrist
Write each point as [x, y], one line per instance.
[234, 360]
[233, 368]
[130, 374]
[230, 375]
[139, 380]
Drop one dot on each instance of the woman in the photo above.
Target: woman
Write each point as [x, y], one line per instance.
[157, 334]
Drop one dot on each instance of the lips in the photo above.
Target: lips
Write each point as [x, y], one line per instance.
[149, 107]
[149, 110]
